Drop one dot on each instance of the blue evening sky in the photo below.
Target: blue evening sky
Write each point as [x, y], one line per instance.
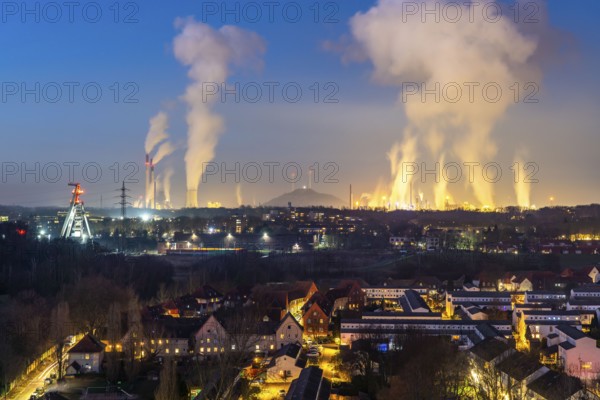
[561, 132]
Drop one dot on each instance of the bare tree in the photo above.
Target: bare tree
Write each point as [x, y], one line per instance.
[167, 388]
[113, 335]
[237, 343]
[133, 338]
[60, 328]
[90, 301]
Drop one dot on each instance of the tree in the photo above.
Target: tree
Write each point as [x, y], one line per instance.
[90, 301]
[168, 388]
[235, 347]
[113, 335]
[133, 338]
[428, 367]
[60, 328]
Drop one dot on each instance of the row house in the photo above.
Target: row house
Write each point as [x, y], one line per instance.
[490, 352]
[527, 281]
[384, 293]
[281, 298]
[316, 316]
[208, 298]
[544, 297]
[542, 329]
[388, 329]
[401, 315]
[590, 304]
[553, 385]
[585, 318]
[517, 371]
[589, 274]
[499, 370]
[299, 294]
[238, 297]
[518, 308]
[165, 337]
[578, 353]
[267, 336]
[412, 302]
[310, 385]
[471, 311]
[483, 300]
[348, 295]
[590, 290]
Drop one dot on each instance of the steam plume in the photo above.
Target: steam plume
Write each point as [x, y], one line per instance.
[409, 49]
[165, 149]
[238, 195]
[208, 53]
[156, 137]
[158, 131]
[522, 188]
[169, 171]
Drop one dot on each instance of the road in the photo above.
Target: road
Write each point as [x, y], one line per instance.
[26, 392]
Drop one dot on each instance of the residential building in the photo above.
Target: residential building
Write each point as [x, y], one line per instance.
[315, 315]
[577, 353]
[412, 302]
[286, 363]
[482, 299]
[310, 385]
[86, 356]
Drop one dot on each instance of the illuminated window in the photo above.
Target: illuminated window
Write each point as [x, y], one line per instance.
[87, 356]
[201, 349]
[167, 351]
[176, 351]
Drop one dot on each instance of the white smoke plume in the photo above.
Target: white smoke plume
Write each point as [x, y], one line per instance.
[402, 155]
[238, 195]
[158, 131]
[157, 137]
[521, 186]
[164, 149]
[416, 48]
[168, 175]
[208, 53]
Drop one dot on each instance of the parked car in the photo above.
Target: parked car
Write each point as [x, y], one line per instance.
[282, 393]
[48, 381]
[257, 382]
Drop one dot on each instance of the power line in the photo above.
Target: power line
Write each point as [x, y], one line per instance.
[123, 202]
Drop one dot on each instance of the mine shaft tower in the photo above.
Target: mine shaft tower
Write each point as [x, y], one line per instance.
[76, 224]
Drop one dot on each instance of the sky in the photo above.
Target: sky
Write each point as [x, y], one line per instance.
[125, 51]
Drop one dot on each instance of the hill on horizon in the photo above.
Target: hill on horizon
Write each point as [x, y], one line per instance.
[306, 198]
